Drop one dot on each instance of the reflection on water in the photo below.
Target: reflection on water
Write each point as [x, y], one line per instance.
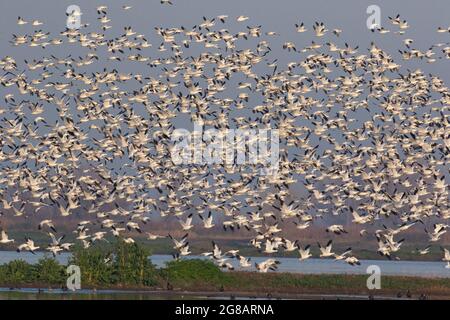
[57, 294]
[86, 294]
[19, 295]
[310, 266]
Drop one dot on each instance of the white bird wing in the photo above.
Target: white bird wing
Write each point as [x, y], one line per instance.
[447, 254]
[52, 236]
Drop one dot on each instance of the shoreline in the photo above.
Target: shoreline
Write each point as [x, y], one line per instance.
[329, 287]
[226, 295]
[374, 257]
[121, 273]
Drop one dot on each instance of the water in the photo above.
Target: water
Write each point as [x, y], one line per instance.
[310, 266]
[87, 294]
[329, 266]
[7, 256]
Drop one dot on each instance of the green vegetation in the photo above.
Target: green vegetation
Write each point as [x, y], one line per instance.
[95, 266]
[124, 265]
[132, 265]
[127, 266]
[16, 272]
[19, 272]
[49, 271]
[194, 273]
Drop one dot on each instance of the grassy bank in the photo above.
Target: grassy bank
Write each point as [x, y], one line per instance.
[203, 275]
[126, 266]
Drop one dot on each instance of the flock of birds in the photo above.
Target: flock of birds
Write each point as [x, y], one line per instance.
[360, 136]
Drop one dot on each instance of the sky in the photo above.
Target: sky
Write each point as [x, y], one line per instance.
[424, 17]
[280, 16]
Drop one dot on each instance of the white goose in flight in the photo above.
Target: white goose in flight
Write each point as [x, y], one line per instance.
[343, 255]
[207, 222]
[4, 238]
[336, 229]
[243, 261]
[187, 225]
[21, 21]
[360, 219]
[326, 252]
[178, 244]
[28, 246]
[304, 253]
[269, 264]
[352, 261]
[446, 257]
[48, 223]
[151, 236]
[184, 251]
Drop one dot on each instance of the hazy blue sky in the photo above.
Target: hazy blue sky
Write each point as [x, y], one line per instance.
[280, 16]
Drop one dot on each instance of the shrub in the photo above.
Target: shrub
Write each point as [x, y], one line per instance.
[49, 271]
[17, 272]
[125, 264]
[132, 265]
[190, 271]
[95, 266]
